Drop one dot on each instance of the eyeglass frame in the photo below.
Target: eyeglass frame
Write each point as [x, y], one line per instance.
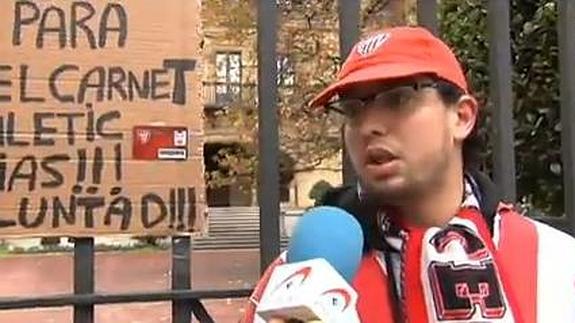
[416, 85]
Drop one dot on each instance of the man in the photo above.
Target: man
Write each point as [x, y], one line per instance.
[440, 245]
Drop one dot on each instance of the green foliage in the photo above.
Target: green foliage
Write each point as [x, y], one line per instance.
[463, 24]
[318, 190]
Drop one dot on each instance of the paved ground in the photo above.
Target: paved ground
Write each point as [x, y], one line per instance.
[126, 272]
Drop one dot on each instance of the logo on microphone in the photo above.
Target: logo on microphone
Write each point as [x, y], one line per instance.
[338, 298]
[298, 277]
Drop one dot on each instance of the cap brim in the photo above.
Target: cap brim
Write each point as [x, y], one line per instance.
[379, 72]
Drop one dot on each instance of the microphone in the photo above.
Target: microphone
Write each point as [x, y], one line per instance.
[323, 256]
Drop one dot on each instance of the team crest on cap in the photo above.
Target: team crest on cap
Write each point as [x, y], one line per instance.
[369, 45]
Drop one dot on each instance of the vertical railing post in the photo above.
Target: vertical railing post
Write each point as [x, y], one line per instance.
[83, 277]
[501, 96]
[349, 17]
[565, 24]
[268, 125]
[427, 15]
[181, 278]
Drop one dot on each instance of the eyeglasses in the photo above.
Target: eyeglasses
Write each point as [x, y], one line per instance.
[398, 97]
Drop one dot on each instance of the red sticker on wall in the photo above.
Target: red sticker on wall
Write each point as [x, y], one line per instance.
[160, 143]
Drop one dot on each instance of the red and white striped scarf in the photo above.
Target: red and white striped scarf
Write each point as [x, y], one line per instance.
[450, 274]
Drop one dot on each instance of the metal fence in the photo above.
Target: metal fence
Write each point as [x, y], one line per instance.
[186, 301]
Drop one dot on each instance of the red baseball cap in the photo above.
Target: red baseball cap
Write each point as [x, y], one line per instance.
[392, 53]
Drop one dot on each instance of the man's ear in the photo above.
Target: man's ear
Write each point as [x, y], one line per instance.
[465, 114]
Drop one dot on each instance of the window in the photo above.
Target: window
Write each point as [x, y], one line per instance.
[286, 73]
[290, 4]
[228, 76]
[286, 4]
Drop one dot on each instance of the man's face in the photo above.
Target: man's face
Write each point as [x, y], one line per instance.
[405, 140]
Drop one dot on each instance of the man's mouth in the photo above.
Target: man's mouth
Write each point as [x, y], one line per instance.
[379, 156]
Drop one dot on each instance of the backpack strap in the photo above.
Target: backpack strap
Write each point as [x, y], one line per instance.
[518, 254]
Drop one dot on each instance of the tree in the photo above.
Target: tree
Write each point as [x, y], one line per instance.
[535, 84]
[318, 190]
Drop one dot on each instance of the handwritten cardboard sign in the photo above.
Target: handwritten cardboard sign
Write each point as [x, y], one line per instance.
[77, 81]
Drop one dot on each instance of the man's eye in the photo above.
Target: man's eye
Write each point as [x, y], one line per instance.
[352, 107]
[393, 99]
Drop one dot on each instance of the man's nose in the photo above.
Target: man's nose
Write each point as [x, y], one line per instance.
[373, 125]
